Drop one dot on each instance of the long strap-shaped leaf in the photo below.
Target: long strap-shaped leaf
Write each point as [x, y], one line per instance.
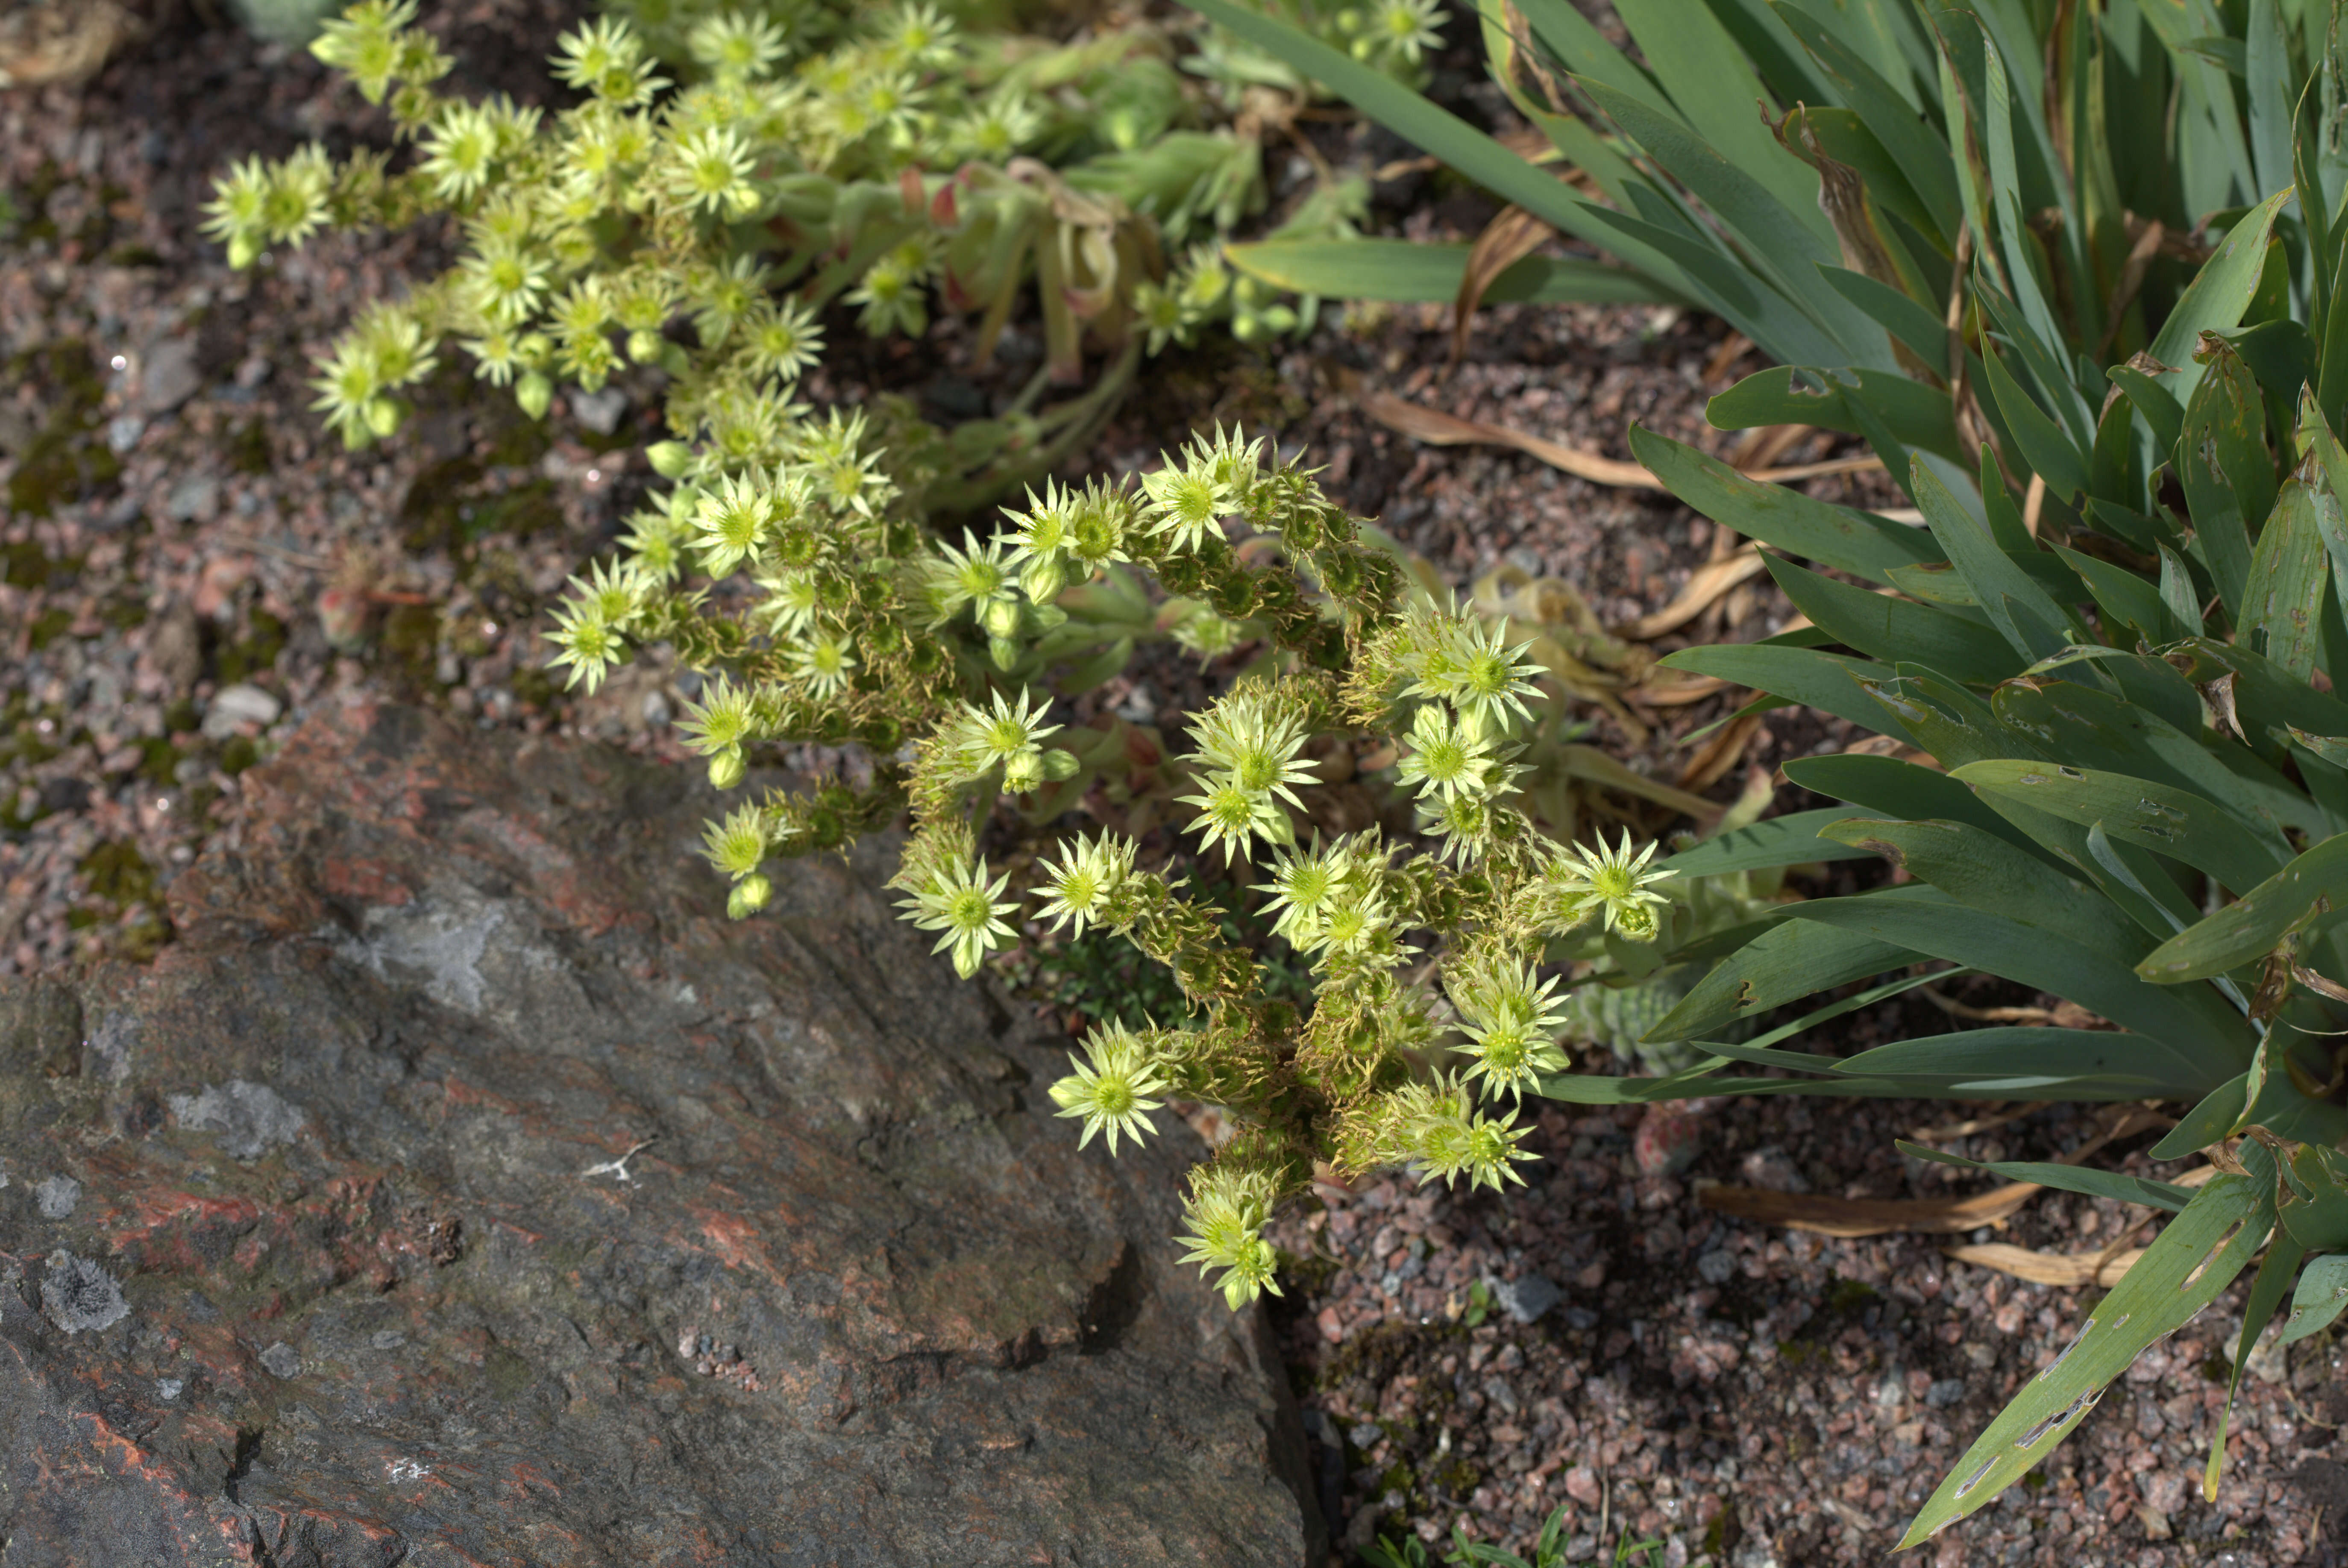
[2161, 818]
[1849, 540]
[1405, 270]
[1411, 116]
[2218, 294]
[2192, 1019]
[2023, 1062]
[2194, 1258]
[2164, 1195]
[2254, 924]
[1788, 841]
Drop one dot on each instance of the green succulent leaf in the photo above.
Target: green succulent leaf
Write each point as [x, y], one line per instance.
[2046, 960]
[2315, 1198]
[2017, 605]
[1856, 402]
[1822, 680]
[1791, 961]
[2275, 1271]
[2030, 1062]
[1847, 540]
[2051, 450]
[1884, 627]
[2220, 292]
[1891, 787]
[1983, 871]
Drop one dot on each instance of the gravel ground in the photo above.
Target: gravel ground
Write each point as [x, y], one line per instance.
[188, 566]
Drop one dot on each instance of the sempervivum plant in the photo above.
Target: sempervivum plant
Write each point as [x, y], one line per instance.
[694, 213]
[1430, 1014]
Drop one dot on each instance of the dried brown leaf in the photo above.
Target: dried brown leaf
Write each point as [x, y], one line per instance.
[1722, 752]
[1832, 1216]
[2071, 1269]
[1511, 236]
[1848, 1217]
[1705, 586]
[1673, 689]
[1440, 429]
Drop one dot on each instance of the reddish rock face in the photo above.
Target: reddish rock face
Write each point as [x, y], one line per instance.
[462, 1187]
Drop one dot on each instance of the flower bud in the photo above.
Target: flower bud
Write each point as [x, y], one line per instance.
[243, 249]
[749, 896]
[645, 346]
[1002, 650]
[382, 417]
[533, 391]
[726, 768]
[1044, 578]
[1059, 765]
[1000, 617]
[669, 458]
[1023, 771]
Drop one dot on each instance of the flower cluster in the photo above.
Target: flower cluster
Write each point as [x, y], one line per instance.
[1110, 1090]
[1450, 687]
[726, 176]
[1225, 1214]
[1512, 1022]
[943, 657]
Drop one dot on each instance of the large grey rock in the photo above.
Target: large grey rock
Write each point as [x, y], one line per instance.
[361, 1270]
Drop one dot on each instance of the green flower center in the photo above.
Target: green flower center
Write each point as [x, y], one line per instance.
[1230, 809]
[1309, 887]
[1096, 537]
[1258, 771]
[1444, 761]
[1046, 533]
[1487, 675]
